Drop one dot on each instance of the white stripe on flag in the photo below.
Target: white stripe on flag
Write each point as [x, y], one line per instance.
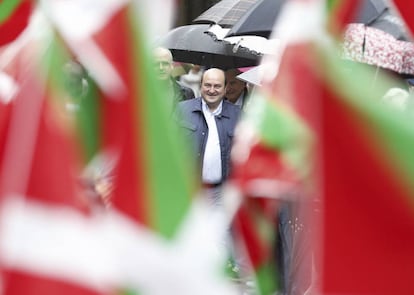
[107, 251]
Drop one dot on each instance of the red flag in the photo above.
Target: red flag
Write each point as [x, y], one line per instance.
[38, 165]
[367, 195]
[406, 9]
[153, 179]
[367, 198]
[360, 171]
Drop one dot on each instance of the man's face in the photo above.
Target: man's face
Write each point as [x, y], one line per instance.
[163, 64]
[212, 87]
[234, 87]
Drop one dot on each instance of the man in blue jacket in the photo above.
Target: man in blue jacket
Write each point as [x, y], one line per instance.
[209, 122]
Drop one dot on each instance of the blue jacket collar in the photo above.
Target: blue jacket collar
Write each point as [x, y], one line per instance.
[197, 107]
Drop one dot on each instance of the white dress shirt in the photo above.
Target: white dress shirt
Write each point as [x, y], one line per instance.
[211, 172]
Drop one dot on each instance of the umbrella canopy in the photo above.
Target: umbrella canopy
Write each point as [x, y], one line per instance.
[190, 44]
[255, 44]
[378, 14]
[375, 47]
[370, 10]
[225, 13]
[378, 37]
[258, 20]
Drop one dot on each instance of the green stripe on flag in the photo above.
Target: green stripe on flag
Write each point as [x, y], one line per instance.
[88, 113]
[7, 7]
[89, 121]
[390, 131]
[170, 178]
[267, 281]
[281, 129]
[332, 4]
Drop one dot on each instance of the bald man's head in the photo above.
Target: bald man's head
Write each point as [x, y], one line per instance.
[213, 87]
[163, 60]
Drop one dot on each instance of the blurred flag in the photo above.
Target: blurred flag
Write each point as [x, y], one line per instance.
[38, 165]
[50, 239]
[368, 189]
[270, 168]
[153, 183]
[365, 172]
[14, 17]
[340, 13]
[360, 168]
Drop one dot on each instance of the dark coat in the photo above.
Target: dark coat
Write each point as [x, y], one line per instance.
[182, 92]
[191, 119]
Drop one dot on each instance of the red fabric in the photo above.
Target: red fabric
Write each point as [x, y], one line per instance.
[54, 164]
[4, 124]
[121, 121]
[254, 213]
[368, 220]
[17, 283]
[295, 84]
[39, 164]
[51, 165]
[406, 9]
[263, 163]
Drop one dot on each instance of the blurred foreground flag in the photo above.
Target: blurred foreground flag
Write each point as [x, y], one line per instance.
[38, 166]
[341, 12]
[152, 178]
[153, 240]
[361, 169]
[363, 175]
[14, 17]
[271, 146]
[368, 168]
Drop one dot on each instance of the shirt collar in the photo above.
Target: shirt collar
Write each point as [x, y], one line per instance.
[216, 112]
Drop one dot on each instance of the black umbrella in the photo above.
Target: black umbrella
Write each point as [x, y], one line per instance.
[378, 14]
[225, 13]
[258, 20]
[190, 44]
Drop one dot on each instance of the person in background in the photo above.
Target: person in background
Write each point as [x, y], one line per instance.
[193, 79]
[236, 89]
[209, 122]
[163, 63]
